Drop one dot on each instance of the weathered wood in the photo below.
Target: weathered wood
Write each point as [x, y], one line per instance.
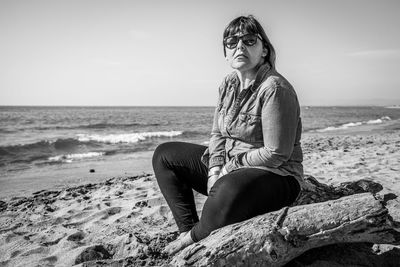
[319, 192]
[275, 238]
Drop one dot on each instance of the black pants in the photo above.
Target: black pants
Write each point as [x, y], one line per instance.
[235, 197]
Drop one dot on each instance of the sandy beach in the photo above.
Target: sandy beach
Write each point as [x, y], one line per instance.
[89, 90]
[124, 221]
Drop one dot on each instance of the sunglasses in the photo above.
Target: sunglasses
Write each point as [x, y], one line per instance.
[248, 39]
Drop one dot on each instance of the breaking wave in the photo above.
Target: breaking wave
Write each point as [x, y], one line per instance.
[353, 124]
[125, 138]
[80, 147]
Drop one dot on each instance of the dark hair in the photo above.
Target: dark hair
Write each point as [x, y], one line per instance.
[250, 25]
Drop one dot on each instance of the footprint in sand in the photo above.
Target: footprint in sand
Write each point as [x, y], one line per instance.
[52, 242]
[78, 236]
[15, 253]
[76, 215]
[15, 248]
[157, 201]
[48, 261]
[37, 250]
[92, 253]
[140, 195]
[101, 215]
[14, 244]
[112, 211]
[124, 219]
[7, 219]
[10, 237]
[140, 188]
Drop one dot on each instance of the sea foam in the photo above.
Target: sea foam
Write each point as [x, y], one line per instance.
[125, 138]
[70, 157]
[381, 120]
[353, 124]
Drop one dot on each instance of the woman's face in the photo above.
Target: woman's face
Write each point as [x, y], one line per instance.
[248, 52]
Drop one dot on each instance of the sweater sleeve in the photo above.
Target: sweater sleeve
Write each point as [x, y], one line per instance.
[216, 146]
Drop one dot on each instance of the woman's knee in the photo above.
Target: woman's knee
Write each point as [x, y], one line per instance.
[162, 152]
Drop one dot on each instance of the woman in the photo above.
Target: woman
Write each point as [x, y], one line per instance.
[253, 164]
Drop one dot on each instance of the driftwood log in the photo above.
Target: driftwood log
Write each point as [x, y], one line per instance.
[336, 215]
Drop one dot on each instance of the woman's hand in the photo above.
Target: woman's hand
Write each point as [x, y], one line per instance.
[215, 177]
[211, 181]
[223, 172]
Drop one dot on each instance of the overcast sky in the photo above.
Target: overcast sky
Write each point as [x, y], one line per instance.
[169, 52]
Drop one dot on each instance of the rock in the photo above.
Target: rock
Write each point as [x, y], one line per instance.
[49, 209]
[141, 204]
[113, 210]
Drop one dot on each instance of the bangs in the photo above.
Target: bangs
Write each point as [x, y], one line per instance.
[241, 24]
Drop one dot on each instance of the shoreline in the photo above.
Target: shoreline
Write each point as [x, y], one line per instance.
[55, 177]
[58, 177]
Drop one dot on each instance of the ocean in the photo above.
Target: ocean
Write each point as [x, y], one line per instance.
[54, 143]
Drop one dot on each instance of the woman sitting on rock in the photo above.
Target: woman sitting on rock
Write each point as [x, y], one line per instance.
[253, 164]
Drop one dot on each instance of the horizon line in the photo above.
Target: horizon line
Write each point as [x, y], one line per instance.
[176, 106]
